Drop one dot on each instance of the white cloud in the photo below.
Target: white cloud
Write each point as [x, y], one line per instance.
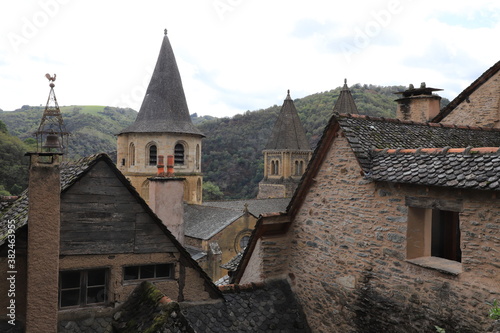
[238, 55]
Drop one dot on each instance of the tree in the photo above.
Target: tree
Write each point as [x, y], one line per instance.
[211, 192]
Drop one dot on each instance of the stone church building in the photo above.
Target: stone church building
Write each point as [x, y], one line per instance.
[162, 127]
[286, 154]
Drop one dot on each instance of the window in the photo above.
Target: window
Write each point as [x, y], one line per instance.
[148, 272]
[179, 154]
[131, 154]
[244, 241]
[299, 168]
[197, 157]
[433, 233]
[152, 155]
[81, 288]
[275, 166]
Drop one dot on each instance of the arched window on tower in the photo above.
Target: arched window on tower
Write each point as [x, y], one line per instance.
[131, 154]
[277, 168]
[198, 190]
[179, 154]
[301, 168]
[153, 154]
[197, 157]
[272, 168]
[297, 170]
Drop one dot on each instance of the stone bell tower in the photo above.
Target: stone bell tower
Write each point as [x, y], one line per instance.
[163, 127]
[286, 154]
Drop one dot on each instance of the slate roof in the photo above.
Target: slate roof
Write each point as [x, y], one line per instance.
[256, 207]
[288, 132]
[366, 133]
[466, 92]
[471, 168]
[269, 307]
[232, 264]
[164, 108]
[203, 222]
[345, 101]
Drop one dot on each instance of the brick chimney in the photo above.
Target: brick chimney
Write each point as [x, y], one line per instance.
[44, 193]
[418, 105]
[166, 194]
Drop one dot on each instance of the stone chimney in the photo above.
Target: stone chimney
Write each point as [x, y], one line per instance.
[44, 193]
[418, 105]
[166, 194]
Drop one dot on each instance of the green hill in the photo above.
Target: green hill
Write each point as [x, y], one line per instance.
[93, 128]
[232, 150]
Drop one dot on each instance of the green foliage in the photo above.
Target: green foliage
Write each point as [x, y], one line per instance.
[439, 329]
[232, 150]
[494, 311]
[3, 127]
[211, 192]
[92, 128]
[232, 156]
[13, 164]
[3, 191]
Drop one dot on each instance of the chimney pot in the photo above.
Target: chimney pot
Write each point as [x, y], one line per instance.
[160, 165]
[170, 165]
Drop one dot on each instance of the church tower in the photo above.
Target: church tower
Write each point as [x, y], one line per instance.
[286, 154]
[163, 127]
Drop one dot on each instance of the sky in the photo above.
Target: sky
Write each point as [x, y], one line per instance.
[239, 55]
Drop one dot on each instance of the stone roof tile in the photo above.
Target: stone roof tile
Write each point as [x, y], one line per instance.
[203, 222]
[460, 168]
[366, 133]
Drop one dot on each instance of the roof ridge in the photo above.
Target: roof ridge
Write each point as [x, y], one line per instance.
[411, 122]
[444, 150]
[237, 288]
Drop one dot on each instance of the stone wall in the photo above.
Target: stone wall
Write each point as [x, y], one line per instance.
[346, 255]
[482, 108]
[140, 171]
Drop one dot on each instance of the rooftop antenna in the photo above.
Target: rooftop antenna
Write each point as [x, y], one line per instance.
[51, 136]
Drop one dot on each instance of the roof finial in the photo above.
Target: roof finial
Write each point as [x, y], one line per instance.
[345, 81]
[165, 31]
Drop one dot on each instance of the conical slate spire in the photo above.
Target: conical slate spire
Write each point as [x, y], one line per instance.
[345, 102]
[288, 132]
[164, 108]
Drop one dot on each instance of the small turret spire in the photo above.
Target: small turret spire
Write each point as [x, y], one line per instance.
[345, 102]
[165, 32]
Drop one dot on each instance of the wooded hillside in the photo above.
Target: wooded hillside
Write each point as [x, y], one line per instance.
[232, 150]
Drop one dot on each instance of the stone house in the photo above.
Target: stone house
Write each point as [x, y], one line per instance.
[394, 227]
[84, 239]
[478, 104]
